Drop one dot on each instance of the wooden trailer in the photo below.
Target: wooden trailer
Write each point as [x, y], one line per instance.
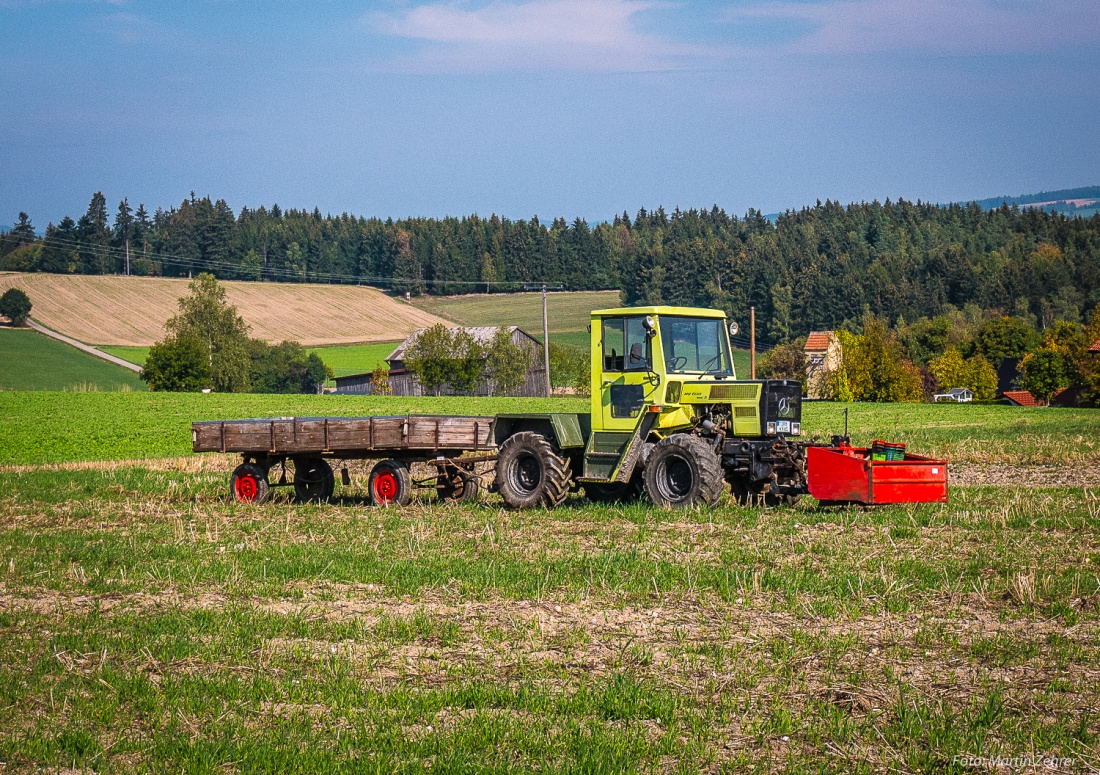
[453, 445]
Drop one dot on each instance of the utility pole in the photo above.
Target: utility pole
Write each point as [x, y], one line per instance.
[127, 256]
[752, 342]
[545, 333]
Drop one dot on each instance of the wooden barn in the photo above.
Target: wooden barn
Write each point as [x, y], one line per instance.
[404, 383]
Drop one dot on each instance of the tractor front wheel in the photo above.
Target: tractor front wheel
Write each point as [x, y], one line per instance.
[683, 470]
[249, 484]
[531, 473]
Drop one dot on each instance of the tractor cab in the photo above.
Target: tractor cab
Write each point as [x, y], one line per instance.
[659, 371]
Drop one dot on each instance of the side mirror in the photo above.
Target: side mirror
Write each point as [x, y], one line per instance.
[635, 353]
[734, 329]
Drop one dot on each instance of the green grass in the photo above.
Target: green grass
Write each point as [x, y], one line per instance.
[566, 312]
[344, 359]
[133, 354]
[31, 361]
[151, 624]
[354, 358]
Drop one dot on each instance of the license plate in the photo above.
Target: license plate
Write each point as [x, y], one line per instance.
[783, 426]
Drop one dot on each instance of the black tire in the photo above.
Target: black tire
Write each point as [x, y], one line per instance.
[530, 472]
[314, 481]
[458, 489]
[390, 482]
[683, 470]
[618, 492]
[249, 484]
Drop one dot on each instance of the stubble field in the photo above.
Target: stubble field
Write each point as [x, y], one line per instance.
[148, 623]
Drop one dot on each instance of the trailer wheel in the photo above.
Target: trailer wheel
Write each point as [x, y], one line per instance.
[683, 470]
[390, 482]
[313, 479]
[458, 489]
[249, 484]
[531, 473]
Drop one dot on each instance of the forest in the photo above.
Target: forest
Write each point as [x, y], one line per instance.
[821, 267]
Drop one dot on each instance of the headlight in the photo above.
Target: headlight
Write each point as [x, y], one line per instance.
[771, 429]
[796, 428]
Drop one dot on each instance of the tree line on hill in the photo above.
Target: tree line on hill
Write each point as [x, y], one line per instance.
[822, 267]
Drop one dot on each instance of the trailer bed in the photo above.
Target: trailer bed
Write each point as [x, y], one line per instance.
[345, 436]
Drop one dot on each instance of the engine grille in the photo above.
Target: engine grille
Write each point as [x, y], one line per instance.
[733, 392]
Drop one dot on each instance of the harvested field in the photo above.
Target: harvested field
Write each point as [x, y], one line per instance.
[148, 622]
[102, 309]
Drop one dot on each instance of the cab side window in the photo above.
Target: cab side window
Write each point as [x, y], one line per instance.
[625, 345]
[614, 344]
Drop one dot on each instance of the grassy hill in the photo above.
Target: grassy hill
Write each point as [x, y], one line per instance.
[32, 361]
[129, 311]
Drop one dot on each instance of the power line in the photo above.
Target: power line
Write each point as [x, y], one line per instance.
[273, 271]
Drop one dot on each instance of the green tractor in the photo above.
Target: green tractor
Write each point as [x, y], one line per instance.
[669, 420]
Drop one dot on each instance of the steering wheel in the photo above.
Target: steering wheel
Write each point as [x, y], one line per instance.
[677, 363]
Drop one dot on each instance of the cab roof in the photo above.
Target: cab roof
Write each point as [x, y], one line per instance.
[693, 312]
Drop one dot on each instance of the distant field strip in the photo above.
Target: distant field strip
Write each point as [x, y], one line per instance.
[113, 310]
[566, 312]
[343, 358]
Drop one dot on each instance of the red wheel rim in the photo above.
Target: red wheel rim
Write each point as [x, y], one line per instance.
[246, 487]
[385, 486]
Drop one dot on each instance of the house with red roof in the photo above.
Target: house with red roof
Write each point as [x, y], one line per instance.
[824, 356]
[1020, 398]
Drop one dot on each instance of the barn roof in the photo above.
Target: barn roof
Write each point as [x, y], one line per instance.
[817, 341]
[481, 334]
[1021, 397]
[1095, 347]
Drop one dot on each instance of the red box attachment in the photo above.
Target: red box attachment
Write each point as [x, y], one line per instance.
[851, 475]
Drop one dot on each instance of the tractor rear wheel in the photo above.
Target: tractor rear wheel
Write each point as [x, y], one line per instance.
[683, 470]
[531, 472]
[390, 482]
[249, 484]
[313, 480]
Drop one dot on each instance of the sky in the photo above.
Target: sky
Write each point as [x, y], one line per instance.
[571, 108]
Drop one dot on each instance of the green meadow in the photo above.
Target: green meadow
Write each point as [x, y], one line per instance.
[32, 361]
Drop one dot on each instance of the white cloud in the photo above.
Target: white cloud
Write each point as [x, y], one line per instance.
[953, 27]
[513, 34]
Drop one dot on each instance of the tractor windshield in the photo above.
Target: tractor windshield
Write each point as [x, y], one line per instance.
[695, 344]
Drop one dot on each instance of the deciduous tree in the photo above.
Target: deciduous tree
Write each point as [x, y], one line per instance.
[178, 365]
[15, 305]
[206, 316]
[506, 363]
